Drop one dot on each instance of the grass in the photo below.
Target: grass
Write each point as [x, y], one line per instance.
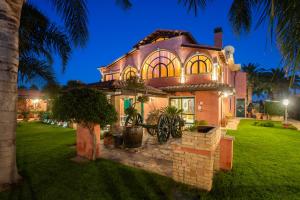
[266, 166]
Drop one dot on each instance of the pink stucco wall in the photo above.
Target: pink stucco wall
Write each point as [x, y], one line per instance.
[138, 56]
[214, 108]
[241, 85]
[206, 105]
[155, 103]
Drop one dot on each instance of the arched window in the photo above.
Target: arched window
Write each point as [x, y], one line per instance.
[129, 73]
[159, 64]
[198, 64]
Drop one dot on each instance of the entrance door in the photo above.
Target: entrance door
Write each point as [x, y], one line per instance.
[240, 107]
[127, 103]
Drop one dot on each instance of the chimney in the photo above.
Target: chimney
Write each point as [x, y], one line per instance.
[218, 37]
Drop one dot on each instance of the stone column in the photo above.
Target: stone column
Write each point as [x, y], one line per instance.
[194, 158]
[84, 142]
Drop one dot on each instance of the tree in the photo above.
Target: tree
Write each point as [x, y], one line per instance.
[86, 107]
[74, 15]
[39, 39]
[71, 84]
[135, 85]
[283, 18]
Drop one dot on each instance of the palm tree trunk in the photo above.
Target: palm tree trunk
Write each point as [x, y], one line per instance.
[10, 12]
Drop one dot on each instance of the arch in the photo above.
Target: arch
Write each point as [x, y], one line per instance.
[198, 64]
[161, 63]
[129, 72]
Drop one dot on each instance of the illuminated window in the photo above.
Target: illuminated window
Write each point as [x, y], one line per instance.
[187, 105]
[161, 64]
[129, 73]
[198, 64]
[109, 77]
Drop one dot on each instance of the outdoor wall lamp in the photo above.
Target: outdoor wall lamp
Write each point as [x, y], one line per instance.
[35, 101]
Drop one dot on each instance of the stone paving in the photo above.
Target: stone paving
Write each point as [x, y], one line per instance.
[151, 156]
[232, 124]
[295, 123]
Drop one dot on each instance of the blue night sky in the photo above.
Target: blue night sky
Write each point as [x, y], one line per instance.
[113, 32]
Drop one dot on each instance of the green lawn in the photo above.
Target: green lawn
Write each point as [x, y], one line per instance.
[266, 166]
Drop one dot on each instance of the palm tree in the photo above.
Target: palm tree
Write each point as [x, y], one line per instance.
[253, 86]
[74, 15]
[39, 39]
[282, 16]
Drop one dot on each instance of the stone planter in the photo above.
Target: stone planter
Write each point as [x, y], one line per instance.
[276, 118]
[197, 156]
[85, 141]
[259, 115]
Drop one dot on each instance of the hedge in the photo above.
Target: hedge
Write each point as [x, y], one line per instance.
[274, 108]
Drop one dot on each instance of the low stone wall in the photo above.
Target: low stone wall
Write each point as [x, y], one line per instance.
[198, 156]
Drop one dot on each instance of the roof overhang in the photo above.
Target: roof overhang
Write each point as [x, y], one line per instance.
[118, 87]
[198, 87]
[199, 46]
[164, 33]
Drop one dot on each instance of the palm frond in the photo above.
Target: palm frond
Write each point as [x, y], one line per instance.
[31, 68]
[283, 18]
[58, 42]
[194, 5]
[74, 14]
[41, 38]
[240, 15]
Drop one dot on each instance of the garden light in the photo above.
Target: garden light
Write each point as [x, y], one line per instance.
[285, 102]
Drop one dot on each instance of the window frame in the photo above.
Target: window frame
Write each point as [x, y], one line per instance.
[198, 61]
[181, 103]
[170, 65]
[129, 69]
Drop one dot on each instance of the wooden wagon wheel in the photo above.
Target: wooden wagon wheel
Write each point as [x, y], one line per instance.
[163, 129]
[176, 125]
[129, 120]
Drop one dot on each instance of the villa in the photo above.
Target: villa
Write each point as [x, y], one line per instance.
[202, 80]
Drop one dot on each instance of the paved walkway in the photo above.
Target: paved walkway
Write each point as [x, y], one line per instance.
[295, 123]
[151, 156]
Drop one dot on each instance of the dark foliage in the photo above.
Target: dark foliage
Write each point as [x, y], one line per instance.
[84, 105]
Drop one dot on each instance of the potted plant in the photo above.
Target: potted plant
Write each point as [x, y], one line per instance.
[133, 132]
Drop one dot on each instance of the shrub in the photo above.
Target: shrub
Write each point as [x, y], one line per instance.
[274, 108]
[201, 123]
[267, 124]
[264, 124]
[196, 124]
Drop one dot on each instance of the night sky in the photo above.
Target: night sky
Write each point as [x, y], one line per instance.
[113, 32]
